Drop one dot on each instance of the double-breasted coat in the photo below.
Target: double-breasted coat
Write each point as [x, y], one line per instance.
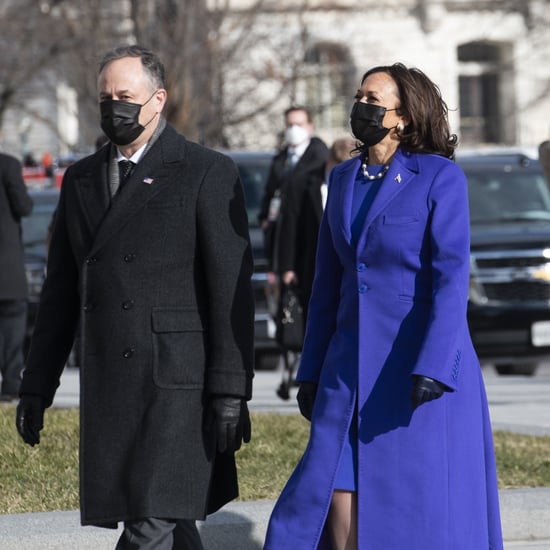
[381, 311]
[158, 282]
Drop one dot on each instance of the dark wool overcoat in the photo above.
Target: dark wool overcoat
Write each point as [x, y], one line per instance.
[158, 283]
[381, 311]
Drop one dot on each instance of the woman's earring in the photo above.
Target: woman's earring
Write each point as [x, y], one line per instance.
[400, 127]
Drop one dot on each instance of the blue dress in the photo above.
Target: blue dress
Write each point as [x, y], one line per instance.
[364, 192]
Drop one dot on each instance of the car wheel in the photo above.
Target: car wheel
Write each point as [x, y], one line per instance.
[518, 369]
[267, 360]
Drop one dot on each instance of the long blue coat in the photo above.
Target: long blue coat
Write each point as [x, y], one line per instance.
[394, 306]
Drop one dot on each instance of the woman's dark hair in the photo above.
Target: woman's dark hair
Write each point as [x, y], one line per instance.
[151, 63]
[428, 129]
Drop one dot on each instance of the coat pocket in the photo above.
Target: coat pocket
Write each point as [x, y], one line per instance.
[178, 340]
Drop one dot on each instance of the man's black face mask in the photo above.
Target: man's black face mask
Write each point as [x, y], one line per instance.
[120, 120]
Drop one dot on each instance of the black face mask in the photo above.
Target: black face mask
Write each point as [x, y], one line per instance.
[366, 123]
[120, 120]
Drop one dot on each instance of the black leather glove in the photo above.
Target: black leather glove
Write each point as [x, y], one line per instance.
[232, 422]
[306, 398]
[29, 418]
[425, 389]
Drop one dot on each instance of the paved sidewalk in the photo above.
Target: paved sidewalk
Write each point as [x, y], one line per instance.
[241, 525]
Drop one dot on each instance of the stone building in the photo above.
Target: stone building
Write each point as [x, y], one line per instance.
[490, 58]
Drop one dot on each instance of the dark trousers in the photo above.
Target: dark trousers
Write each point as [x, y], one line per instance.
[160, 534]
[13, 321]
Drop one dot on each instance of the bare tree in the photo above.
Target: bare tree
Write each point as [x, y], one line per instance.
[224, 66]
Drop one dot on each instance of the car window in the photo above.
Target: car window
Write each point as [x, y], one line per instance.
[505, 193]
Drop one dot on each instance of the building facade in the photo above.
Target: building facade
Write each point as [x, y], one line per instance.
[490, 58]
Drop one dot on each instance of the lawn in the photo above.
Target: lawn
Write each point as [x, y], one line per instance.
[45, 478]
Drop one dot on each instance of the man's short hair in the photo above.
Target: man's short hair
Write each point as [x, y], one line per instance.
[299, 108]
[150, 61]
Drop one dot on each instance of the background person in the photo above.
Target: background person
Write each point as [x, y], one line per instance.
[301, 154]
[154, 267]
[15, 203]
[400, 452]
[300, 217]
[298, 229]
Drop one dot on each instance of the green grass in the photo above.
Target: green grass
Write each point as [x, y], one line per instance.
[45, 478]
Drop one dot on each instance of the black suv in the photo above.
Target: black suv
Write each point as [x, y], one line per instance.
[254, 170]
[509, 301]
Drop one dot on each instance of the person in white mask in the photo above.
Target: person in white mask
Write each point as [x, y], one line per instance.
[301, 153]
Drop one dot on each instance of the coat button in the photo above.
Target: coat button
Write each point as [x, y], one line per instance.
[363, 289]
[91, 260]
[361, 267]
[128, 304]
[127, 353]
[88, 307]
[129, 257]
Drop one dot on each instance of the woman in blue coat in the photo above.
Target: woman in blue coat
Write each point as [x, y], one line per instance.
[400, 455]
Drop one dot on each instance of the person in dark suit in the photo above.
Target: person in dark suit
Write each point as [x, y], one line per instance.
[296, 240]
[301, 154]
[300, 218]
[15, 203]
[154, 267]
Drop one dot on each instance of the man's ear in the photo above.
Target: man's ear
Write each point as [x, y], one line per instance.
[161, 95]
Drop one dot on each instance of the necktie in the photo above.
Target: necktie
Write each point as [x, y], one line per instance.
[124, 169]
[291, 160]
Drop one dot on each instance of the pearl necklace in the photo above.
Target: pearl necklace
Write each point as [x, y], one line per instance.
[378, 176]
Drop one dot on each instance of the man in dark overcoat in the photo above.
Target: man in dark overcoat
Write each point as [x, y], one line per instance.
[302, 153]
[300, 219]
[15, 203]
[154, 270]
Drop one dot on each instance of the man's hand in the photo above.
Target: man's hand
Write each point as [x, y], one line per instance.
[425, 389]
[30, 418]
[306, 398]
[232, 422]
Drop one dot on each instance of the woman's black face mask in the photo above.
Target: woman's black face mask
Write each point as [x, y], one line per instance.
[366, 123]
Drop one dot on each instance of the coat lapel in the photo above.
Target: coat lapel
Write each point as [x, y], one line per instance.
[402, 170]
[151, 175]
[93, 192]
[347, 177]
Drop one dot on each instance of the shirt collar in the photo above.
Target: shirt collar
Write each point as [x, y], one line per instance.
[300, 149]
[135, 158]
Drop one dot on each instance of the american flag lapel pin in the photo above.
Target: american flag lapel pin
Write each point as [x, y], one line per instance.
[148, 181]
[398, 178]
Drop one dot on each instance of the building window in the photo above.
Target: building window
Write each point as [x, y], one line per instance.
[482, 79]
[327, 83]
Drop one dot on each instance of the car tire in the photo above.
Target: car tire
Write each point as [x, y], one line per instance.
[517, 369]
[267, 360]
